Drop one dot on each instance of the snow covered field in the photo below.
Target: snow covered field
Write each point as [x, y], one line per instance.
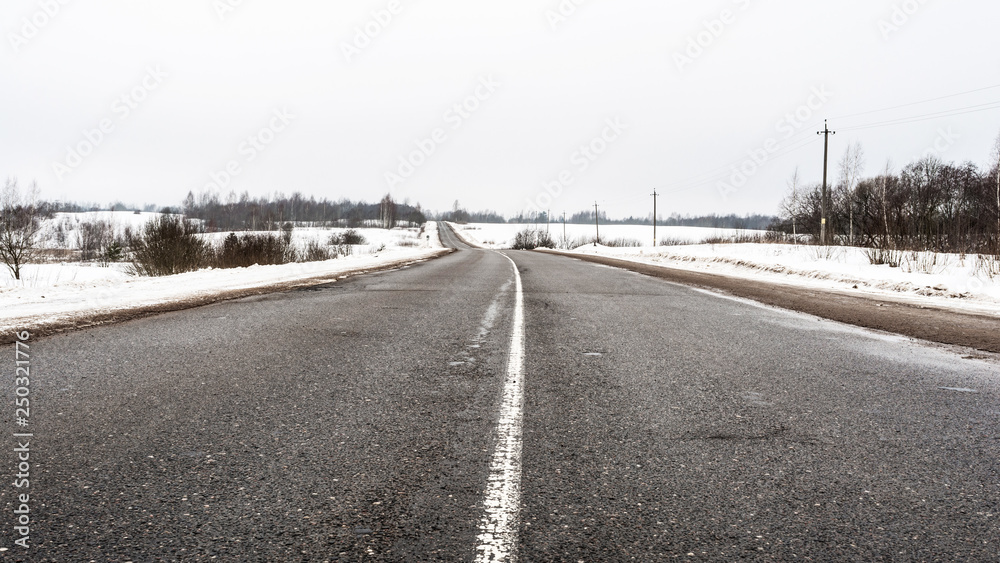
[501, 235]
[940, 280]
[54, 293]
[62, 230]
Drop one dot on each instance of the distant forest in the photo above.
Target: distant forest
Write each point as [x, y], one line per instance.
[731, 221]
[247, 213]
[242, 212]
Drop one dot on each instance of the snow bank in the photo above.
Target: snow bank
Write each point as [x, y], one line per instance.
[58, 293]
[941, 280]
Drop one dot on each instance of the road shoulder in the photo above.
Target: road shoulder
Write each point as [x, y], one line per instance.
[980, 332]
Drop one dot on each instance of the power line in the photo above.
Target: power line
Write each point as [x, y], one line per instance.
[926, 117]
[697, 181]
[701, 179]
[719, 173]
[918, 103]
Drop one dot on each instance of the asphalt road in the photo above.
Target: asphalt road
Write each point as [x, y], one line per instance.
[357, 421]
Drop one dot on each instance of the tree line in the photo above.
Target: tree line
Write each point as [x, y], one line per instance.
[928, 205]
[242, 212]
[586, 217]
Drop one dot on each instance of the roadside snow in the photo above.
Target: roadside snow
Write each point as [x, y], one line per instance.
[943, 280]
[947, 281]
[52, 294]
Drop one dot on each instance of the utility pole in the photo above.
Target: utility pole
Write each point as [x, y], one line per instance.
[654, 217]
[597, 224]
[565, 241]
[824, 207]
[548, 219]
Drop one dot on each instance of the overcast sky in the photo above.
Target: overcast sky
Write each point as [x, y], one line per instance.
[500, 105]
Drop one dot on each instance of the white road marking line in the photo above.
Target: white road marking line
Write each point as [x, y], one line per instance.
[960, 389]
[497, 539]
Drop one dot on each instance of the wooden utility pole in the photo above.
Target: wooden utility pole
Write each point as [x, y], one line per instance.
[565, 241]
[824, 205]
[654, 217]
[597, 224]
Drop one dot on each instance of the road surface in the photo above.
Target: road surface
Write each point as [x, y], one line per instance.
[387, 417]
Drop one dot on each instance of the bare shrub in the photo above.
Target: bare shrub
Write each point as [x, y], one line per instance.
[673, 241]
[581, 241]
[620, 242]
[884, 257]
[165, 246]
[828, 252]
[350, 236]
[623, 242]
[242, 251]
[530, 239]
[988, 264]
[316, 252]
[742, 238]
[60, 232]
[925, 262]
[524, 240]
[544, 240]
[93, 237]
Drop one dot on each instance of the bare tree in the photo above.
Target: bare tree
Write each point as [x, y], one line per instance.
[928, 205]
[885, 199]
[20, 221]
[387, 212]
[996, 154]
[94, 237]
[852, 165]
[790, 206]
